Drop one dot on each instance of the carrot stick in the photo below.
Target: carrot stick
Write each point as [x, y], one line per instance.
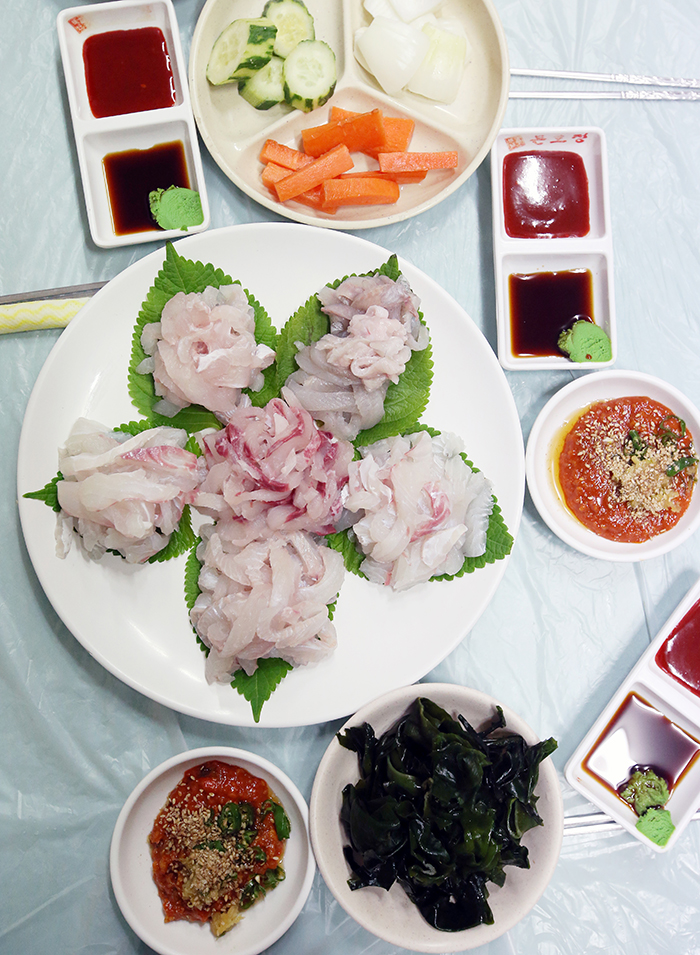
[412, 162]
[272, 173]
[273, 151]
[337, 113]
[359, 132]
[357, 192]
[398, 131]
[330, 164]
[399, 177]
[313, 198]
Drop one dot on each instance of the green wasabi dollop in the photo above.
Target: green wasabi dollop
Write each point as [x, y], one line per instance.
[656, 825]
[645, 790]
[176, 208]
[585, 341]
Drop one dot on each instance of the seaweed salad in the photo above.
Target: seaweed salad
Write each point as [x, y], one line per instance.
[440, 808]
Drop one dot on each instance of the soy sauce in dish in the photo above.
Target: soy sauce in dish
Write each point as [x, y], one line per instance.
[133, 174]
[545, 193]
[543, 305]
[128, 71]
[639, 737]
[679, 654]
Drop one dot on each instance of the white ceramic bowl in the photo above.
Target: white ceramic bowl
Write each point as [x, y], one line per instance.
[234, 132]
[539, 463]
[135, 890]
[390, 915]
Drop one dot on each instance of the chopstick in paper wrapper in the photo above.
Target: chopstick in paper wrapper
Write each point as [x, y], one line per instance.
[51, 308]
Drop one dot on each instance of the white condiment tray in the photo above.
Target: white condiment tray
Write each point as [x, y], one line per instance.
[674, 701]
[95, 138]
[548, 254]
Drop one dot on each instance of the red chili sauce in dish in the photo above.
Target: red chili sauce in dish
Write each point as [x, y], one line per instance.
[128, 71]
[679, 654]
[627, 468]
[545, 193]
[215, 845]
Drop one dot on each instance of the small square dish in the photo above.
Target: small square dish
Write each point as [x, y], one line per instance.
[552, 246]
[640, 761]
[132, 119]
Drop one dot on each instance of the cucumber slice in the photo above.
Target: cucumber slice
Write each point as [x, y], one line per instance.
[244, 47]
[310, 75]
[293, 21]
[265, 88]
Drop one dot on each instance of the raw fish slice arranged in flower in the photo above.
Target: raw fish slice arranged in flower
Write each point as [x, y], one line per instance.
[203, 351]
[422, 509]
[124, 493]
[275, 463]
[419, 510]
[357, 356]
[264, 598]
[200, 340]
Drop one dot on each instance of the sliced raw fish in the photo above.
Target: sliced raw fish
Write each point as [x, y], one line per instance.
[265, 597]
[203, 351]
[342, 378]
[275, 463]
[121, 492]
[421, 509]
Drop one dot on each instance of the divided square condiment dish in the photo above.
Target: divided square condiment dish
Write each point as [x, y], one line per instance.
[551, 222]
[130, 127]
[664, 728]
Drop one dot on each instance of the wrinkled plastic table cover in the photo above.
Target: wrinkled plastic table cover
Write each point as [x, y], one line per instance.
[562, 630]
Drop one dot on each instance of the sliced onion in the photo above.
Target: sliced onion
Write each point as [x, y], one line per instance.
[439, 75]
[408, 10]
[393, 51]
[380, 8]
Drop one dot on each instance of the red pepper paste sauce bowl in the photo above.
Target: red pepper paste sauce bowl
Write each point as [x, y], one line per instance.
[593, 460]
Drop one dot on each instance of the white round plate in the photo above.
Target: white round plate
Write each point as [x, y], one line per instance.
[565, 406]
[132, 874]
[133, 619]
[234, 132]
[391, 915]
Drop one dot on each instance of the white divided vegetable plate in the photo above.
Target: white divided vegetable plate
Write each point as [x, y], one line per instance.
[129, 142]
[653, 721]
[529, 240]
[234, 131]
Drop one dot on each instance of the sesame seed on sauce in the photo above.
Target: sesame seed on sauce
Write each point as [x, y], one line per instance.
[627, 468]
[213, 845]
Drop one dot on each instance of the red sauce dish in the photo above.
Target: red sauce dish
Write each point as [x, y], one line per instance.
[545, 193]
[217, 845]
[679, 654]
[128, 71]
[627, 468]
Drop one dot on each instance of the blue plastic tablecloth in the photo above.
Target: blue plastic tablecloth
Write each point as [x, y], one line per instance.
[562, 630]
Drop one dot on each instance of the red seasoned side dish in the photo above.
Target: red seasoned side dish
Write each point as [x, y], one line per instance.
[627, 468]
[217, 845]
